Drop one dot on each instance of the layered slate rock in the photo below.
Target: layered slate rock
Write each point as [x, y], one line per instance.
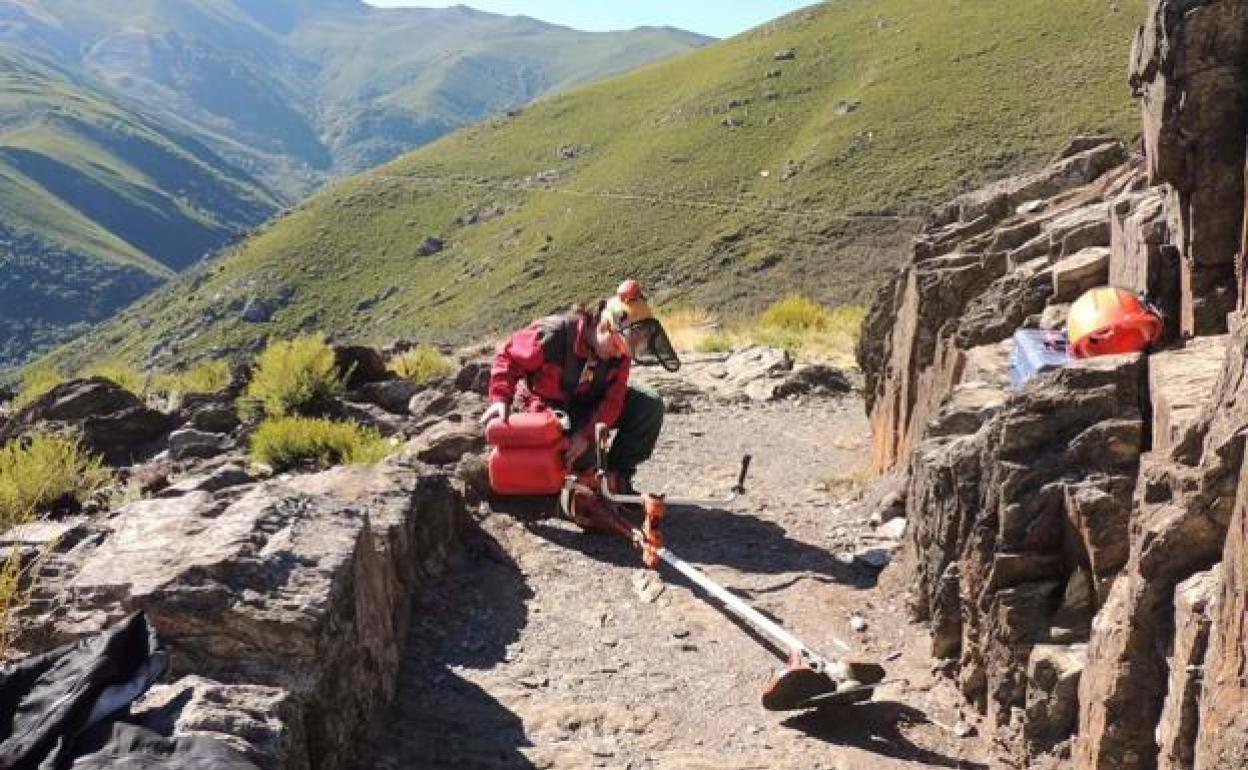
[300, 584]
[263, 723]
[1194, 600]
[985, 265]
[1223, 716]
[996, 557]
[1188, 67]
[1136, 574]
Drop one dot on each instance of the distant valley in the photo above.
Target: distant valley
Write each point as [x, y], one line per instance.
[138, 136]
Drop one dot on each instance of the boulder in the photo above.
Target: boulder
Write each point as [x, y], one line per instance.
[262, 723]
[751, 374]
[474, 376]
[987, 511]
[256, 311]
[1052, 709]
[1095, 234]
[214, 418]
[372, 416]
[391, 395]
[301, 584]
[191, 444]
[1178, 527]
[1098, 511]
[111, 421]
[447, 442]
[228, 476]
[812, 379]
[360, 365]
[433, 402]
[429, 246]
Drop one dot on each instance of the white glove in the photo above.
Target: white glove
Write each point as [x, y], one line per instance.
[498, 409]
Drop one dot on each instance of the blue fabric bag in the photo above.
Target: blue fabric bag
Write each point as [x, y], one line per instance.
[1036, 351]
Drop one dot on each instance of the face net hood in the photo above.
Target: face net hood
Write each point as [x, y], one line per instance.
[650, 345]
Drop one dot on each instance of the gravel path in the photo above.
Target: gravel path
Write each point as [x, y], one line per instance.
[546, 647]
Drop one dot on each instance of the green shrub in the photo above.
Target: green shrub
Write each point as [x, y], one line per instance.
[209, 377]
[293, 378]
[716, 342]
[809, 330]
[796, 313]
[421, 364]
[284, 442]
[39, 472]
[36, 382]
[119, 372]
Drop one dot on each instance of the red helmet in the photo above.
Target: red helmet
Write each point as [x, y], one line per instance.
[1107, 320]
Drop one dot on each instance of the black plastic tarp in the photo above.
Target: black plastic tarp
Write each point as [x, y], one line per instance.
[69, 709]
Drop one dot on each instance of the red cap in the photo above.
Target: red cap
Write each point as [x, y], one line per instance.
[629, 290]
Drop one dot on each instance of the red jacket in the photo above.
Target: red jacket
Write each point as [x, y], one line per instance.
[532, 367]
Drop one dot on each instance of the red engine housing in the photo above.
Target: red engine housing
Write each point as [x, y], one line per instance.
[527, 454]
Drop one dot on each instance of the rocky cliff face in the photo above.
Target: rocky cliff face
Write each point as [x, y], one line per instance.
[1079, 544]
[285, 600]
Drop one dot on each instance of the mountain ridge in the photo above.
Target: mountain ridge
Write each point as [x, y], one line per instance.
[797, 157]
[142, 136]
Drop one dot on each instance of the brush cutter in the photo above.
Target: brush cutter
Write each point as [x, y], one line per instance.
[810, 680]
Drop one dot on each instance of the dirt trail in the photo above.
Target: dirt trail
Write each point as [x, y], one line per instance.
[539, 649]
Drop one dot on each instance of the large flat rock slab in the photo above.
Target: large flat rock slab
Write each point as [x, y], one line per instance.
[1179, 384]
[303, 583]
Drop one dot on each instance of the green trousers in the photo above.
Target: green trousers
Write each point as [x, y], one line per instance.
[636, 434]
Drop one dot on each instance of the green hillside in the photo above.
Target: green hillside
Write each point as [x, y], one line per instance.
[724, 177]
[297, 91]
[98, 204]
[137, 136]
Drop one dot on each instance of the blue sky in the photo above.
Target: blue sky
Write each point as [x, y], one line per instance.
[720, 18]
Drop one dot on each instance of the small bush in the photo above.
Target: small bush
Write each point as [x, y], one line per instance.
[210, 377]
[285, 442]
[807, 329]
[796, 313]
[293, 378]
[716, 342]
[421, 364]
[122, 374]
[41, 472]
[36, 382]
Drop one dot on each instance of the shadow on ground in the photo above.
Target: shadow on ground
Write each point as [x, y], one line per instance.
[741, 541]
[439, 720]
[876, 727]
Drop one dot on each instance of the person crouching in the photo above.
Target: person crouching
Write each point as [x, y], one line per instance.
[579, 363]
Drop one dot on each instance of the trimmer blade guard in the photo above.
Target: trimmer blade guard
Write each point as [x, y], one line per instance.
[800, 687]
[792, 688]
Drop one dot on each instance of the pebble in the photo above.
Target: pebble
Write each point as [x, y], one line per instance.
[893, 530]
[649, 587]
[858, 623]
[877, 558]
[963, 729]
